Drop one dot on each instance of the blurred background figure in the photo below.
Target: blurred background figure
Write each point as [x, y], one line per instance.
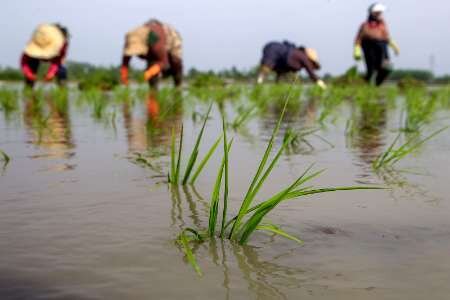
[161, 46]
[285, 57]
[49, 43]
[373, 40]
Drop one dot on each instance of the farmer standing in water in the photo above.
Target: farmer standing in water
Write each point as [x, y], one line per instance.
[159, 45]
[373, 40]
[285, 57]
[49, 43]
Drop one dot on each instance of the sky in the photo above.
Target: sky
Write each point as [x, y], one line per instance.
[222, 34]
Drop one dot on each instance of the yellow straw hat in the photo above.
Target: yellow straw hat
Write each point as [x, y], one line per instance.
[136, 41]
[313, 56]
[46, 42]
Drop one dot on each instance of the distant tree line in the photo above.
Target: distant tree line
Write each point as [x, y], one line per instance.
[107, 76]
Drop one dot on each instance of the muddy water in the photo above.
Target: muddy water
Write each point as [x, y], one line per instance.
[80, 220]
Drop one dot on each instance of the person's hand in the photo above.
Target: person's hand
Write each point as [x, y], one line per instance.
[394, 47]
[124, 75]
[152, 72]
[29, 74]
[321, 84]
[51, 72]
[49, 77]
[357, 52]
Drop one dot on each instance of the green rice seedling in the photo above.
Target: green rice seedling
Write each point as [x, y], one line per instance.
[183, 240]
[96, 98]
[175, 161]
[297, 138]
[250, 217]
[60, 98]
[394, 154]
[243, 116]
[194, 153]
[4, 158]
[8, 101]
[189, 169]
[205, 160]
[442, 96]
[419, 109]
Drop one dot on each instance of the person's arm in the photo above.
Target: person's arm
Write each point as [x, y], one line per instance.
[56, 62]
[157, 51]
[391, 42]
[26, 70]
[357, 51]
[124, 69]
[310, 69]
[298, 60]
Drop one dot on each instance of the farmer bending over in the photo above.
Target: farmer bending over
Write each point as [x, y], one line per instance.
[160, 45]
[373, 40]
[49, 43]
[285, 57]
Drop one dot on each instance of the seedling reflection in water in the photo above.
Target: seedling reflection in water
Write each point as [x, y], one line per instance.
[4, 158]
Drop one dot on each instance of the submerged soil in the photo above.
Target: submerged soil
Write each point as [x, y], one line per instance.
[80, 220]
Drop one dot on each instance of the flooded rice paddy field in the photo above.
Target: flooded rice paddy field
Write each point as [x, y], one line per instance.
[86, 211]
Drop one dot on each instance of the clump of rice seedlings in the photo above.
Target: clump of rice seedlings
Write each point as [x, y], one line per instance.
[250, 217]
[121, 94]
[175, 161]
[419, 109]
[442, 96]
[298, 138]
[60, 98]
[394, 154]
[243, 115]
[8, 101]
[96, 98]
[4, 158]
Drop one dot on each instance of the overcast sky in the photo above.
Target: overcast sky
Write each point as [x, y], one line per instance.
[220, 34]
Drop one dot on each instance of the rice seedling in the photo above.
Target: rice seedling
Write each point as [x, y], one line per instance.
[298, 138]
[175, 162]
[394, 154]
[60, 98]
[8, 101]
[419, 109]
[243, 116]
[250, 217]
[174, 174]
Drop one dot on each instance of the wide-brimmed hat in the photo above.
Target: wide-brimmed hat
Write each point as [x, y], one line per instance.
[377, 8]
[313, 56]
[136, 41]
[46, 42]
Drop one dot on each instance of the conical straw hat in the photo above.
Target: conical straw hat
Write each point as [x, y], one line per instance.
[46, 42]
[312, 55]
[136, 41]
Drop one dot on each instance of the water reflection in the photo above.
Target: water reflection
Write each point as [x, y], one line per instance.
[264, 277]
[150, 126]
[367, 133]
[48, 126]
[195, 202]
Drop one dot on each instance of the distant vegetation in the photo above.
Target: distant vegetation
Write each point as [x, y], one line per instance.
[106, 77]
